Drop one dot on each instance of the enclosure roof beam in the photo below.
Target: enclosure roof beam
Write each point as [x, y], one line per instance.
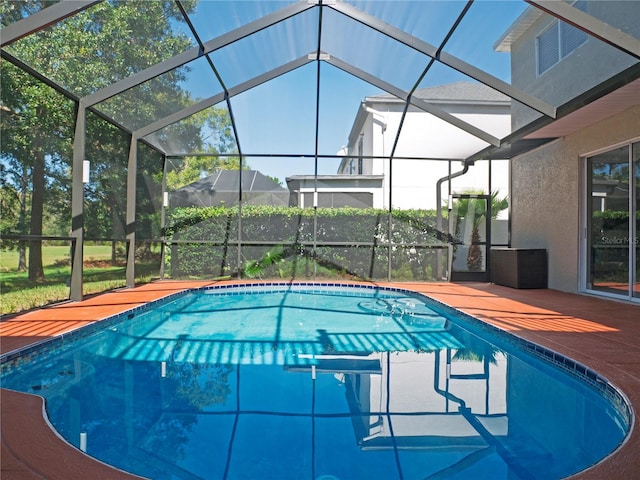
[517, 143]
[220, 97]
[417, 102]
[591, 25]
[179, 115]
[426, 70]
[42, 19]
[447, 59]
[196, 52]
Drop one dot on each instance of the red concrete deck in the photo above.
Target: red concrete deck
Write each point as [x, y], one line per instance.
[602, 334]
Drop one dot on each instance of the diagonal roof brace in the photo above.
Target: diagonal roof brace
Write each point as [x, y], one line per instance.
[447, 59]
[517, 143]
[220, 97]
[591, 25]
[42, 19]
[417, 102]
[447, 117]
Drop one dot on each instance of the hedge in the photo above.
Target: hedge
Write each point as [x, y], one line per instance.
[279, 241]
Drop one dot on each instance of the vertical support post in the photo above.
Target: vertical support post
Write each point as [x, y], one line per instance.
[77, 201]
[390, 220]
[130, 229]
[163, 217]
[239, 236]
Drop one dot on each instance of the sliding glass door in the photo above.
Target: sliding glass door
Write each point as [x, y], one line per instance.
[613, 178]
[635, 155]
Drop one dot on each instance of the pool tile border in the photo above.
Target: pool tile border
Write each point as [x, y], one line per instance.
[44, 348]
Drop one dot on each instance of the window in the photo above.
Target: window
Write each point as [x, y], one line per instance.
[613, 230]
[558, 41]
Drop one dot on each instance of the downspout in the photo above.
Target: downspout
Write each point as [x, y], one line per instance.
[439, 183]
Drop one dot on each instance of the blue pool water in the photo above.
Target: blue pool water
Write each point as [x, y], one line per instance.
[319, 383]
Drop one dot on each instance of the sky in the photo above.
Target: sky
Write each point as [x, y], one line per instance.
[279, 117]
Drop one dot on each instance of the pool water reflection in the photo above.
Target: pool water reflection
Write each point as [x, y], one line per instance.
[294, 382]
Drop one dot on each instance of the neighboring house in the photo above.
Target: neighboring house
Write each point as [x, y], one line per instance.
[424, 136]
[336, 191]
[578, 196]
[364, 176]
[222, 188]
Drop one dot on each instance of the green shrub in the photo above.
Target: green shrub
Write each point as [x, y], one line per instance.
[279, 242]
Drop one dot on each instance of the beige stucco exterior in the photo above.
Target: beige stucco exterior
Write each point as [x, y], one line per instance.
[547, 194]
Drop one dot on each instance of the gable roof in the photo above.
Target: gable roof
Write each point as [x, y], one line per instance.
[223, 187]
[228, 180]
[457, 92]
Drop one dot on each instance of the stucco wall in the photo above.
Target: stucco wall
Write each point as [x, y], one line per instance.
[584, 68]
[546, 194]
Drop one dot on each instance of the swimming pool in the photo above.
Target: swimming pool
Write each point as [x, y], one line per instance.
[327, 383]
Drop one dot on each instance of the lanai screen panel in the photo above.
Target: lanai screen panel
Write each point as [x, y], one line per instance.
[15, 11]
[163, 95]
[267, 49]
[474, 39]
[341, 96]
[277, 235]
[384, 58]
[428, 21]
[211, 19]
[105, 43]
[206, 245]
[149, 204]
[37, 128]
[544, 49]
[105, 204]
[209, 131]
[279, 116]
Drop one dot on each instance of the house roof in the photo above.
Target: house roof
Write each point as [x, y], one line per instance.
[458, 92]
[516, 29]
[228, 181]
[223, 187]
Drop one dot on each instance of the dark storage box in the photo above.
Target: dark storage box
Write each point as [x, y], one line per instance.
[519, 267]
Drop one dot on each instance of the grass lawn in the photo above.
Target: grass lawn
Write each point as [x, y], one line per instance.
[17, 294]
[52, 255]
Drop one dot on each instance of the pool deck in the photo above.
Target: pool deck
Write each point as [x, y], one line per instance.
[602, 334]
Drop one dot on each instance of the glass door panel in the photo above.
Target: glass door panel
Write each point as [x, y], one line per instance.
[636, 218]
[469, 222]
[608, 217]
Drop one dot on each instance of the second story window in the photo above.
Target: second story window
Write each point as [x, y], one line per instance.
[558, 41]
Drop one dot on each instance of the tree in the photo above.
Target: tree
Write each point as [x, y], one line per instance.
[192, 168]
[215, 138]
[83, 53]
[475, 209]
[35, 140]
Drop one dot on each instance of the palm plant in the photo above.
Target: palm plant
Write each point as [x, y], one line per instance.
[474, 209]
